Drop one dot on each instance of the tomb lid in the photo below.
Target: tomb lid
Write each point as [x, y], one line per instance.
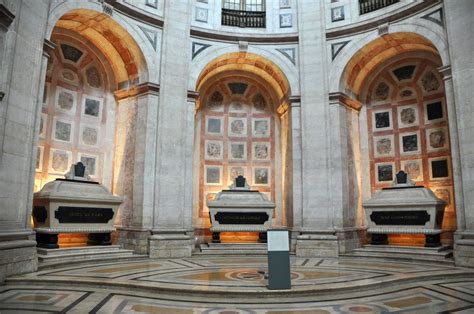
[240, 198]
[73, 190]
[393, 197]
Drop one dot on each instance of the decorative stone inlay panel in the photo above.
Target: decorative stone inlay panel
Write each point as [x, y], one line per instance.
[237, 137]
[382, 91]
[71, 53]
[407, 124]
[74, 111]
[93, 77]
[430, 82]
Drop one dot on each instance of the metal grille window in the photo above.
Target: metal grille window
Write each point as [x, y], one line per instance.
[243, 13]
[245, 5]
[367, 6]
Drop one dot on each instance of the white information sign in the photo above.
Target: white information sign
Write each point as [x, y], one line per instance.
[278, 240]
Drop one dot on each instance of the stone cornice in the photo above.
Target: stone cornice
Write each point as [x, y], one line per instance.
[6, 16]
[141, 89]
[229, 37]
[339, 98]
[48, 47]
[135, 13]
[374, 24]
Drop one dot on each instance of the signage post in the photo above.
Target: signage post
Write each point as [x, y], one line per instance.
[279, 277]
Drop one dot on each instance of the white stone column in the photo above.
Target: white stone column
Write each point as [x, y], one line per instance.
[296, 221]
[344, 133]
[20, 108]
[133, 233]
[460, 105]
[317, 235]
[172, 209]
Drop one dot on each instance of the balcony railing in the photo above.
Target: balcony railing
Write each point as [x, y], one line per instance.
[243, 18]
[366, 6]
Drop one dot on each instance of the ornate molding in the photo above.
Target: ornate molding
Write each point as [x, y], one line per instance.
[141, 89]
[227, 37]
[339, 98]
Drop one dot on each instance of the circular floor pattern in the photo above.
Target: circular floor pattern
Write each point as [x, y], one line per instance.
[230, 285]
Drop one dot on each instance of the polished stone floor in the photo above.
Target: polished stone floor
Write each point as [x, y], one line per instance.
[236, 285]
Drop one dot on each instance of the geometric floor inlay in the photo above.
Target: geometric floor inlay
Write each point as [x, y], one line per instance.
[237, 285]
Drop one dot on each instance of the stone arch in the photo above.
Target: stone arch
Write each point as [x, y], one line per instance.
[113, 35]
[251, 63]
[205, 58]
[425, 38]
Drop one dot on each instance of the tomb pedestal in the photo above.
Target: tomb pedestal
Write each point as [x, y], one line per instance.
[74, 205]
[464, 248]
[240, 209]
[170, 245]
[406, 209]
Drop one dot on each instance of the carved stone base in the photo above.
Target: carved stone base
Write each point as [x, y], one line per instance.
[379, 239]
[216, 237]
[17, 254]
[134, 239]
[99, 239]
[432, 240]
[314, 245]
[47, 240]
[170, 245]
[262, 237]
[464, 249]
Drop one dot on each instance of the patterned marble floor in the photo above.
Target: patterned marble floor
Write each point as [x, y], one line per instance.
[236, 285]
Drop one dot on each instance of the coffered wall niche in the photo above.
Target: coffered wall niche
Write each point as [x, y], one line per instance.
[239, 132]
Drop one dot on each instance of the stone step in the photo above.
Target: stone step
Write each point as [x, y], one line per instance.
[388, 248]
[401, 250]
[56, 258]
[233, 252]
[78, 254]
[90, 260]
[444, 257]
[233, 249]
[67, 250]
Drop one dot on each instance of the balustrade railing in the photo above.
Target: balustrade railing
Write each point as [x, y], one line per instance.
[243, 18]
[366, 6]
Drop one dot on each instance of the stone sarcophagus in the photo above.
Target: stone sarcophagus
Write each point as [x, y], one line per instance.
[74, 205]
[405, 209]
[240, 209]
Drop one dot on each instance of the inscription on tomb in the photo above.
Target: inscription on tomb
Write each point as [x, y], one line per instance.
[235, 218]
[70, 214]
[401, 218]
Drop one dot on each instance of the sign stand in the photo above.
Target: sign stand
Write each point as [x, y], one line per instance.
[279, 276]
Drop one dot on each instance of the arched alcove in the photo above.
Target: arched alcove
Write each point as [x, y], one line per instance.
[242, 127]
[81, 118]
[403, 120]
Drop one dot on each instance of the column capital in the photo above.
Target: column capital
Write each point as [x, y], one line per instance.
[48, 47]
[138, 90]
[340, 98]
[445, 71]
[192, 95]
